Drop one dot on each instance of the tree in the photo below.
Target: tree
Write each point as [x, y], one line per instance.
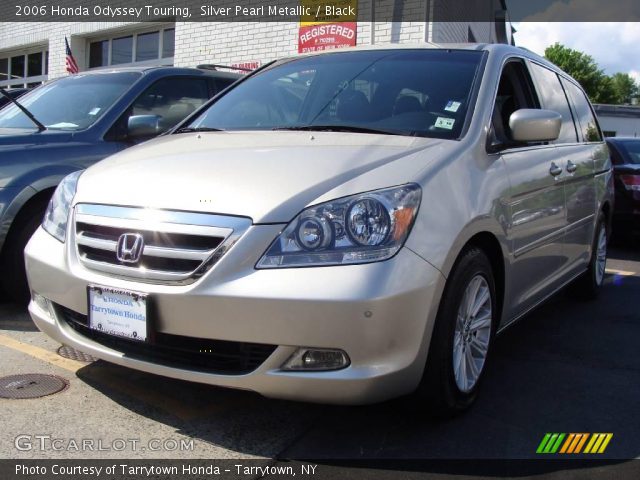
[624, 87]
[600, 88]
[605, 92]
[584, 69]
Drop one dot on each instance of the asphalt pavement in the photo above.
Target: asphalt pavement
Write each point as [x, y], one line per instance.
[570, 366]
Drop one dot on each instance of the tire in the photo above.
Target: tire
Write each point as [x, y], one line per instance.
[446, 390]
[13, 279]
[588, 285]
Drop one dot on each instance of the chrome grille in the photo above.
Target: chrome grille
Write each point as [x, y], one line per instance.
[178, 246]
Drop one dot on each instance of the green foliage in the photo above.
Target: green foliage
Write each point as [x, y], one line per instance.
[604, 91]
[624, 87]
[600, 88]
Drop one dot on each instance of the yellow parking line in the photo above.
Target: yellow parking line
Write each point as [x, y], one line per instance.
[42, 354]
[152, 398]
[624, 273]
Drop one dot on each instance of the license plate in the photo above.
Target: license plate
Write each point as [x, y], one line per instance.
[118, 312]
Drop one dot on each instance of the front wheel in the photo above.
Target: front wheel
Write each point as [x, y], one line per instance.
[13, 279]
[462, 337]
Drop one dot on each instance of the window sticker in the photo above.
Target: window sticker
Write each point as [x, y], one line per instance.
[452, 106]
[94, 111]
[443, 122]
[63, 125]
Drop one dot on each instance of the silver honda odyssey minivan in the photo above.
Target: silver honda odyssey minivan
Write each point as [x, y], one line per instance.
[341, 227]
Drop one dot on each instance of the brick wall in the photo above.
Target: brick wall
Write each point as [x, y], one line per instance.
[233, 42]
[225, 42]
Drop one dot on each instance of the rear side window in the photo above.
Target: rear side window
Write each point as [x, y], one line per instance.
[552, 97]
[587, 122]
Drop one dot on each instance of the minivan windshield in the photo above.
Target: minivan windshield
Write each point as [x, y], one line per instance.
[71, 103]
[423, 92]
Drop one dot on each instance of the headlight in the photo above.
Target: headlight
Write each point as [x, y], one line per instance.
[363, 228]
[57, 214]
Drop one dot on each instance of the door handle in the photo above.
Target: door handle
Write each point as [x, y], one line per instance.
[571, 167]
[555, 170]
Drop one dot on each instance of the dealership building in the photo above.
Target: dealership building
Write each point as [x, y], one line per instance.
[32, 52]
[619, 120]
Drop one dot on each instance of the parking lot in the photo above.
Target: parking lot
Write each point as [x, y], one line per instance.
[570, 366]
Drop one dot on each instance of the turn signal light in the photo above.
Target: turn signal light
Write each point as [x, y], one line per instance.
[43, 303]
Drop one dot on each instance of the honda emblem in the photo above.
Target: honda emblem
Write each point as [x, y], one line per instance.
[130, 247]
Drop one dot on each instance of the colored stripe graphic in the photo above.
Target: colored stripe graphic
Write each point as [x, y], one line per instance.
[544, 441]
[605, 444]
[598, 442]
[556, 445]
[566, 445]
[593, 439]
[573, 443]
[581, 443]
[550, 443]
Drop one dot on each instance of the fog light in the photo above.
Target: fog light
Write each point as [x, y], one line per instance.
[43, 303]
[317, 360]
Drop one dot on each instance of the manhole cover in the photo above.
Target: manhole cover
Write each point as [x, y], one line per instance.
[31, 385]
[73, 354]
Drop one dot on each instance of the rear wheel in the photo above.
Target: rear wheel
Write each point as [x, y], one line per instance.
[461, 338]
[588, 285]
[13, 279]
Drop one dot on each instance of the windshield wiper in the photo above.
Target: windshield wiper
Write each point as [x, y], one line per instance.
[198, 129]
[338, 128]
[40, 126]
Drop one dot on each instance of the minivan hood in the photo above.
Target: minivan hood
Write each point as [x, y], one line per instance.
[267, 176]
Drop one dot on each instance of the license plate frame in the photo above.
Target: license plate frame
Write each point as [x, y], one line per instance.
[118, 312]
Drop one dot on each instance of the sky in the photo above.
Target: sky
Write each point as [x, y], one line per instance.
[615, 46]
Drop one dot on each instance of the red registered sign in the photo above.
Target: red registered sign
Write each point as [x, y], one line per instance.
[326, 36]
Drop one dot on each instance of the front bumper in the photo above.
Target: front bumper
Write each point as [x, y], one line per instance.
[380, 314]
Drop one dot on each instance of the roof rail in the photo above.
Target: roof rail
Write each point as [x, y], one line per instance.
[213, 66]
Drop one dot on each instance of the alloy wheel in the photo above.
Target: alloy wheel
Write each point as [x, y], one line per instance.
[472, 333]
[601, 255]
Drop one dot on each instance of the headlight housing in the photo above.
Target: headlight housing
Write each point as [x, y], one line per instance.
[57, 213]
[363, 228]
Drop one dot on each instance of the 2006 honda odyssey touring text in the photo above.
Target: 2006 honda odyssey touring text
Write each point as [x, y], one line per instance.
[342, 227]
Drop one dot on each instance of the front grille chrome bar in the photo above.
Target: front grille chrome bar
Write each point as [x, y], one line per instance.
[110, 245]
[179, 247]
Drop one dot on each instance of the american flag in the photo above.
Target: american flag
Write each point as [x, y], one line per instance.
[72, 66]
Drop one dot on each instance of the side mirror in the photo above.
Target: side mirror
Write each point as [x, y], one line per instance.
[533, 125]
[141, 126]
